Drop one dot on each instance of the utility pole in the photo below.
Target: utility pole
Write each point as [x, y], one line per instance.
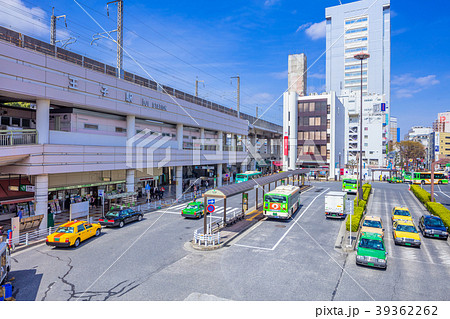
[119, 33]
[53, 26]
[256, 112]
[196, 86]
[238, 94]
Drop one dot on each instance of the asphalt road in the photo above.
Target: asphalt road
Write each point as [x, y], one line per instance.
[274, 260]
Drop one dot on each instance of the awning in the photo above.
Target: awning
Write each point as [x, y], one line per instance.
[16, 201]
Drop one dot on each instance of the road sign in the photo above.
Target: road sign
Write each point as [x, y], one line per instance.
[211, 201]
[101, 192]
[210, 208]
[147, 187]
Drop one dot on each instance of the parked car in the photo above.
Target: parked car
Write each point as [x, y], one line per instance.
[193, 210]
[405, 233]
[372, 224]
[73, 233]
[120, 217]
[401, 213]
[432, 226]
[371, 251]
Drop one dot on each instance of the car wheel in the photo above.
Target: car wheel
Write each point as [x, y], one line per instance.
[97, 233]
[140, 217]
[439, 182]
[77, 242]
[422, 182]
[121, 224]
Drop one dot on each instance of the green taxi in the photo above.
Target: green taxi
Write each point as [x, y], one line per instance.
[371, 251]
[193, 210]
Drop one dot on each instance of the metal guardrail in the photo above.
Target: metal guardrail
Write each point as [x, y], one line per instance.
[29, 237]
[18, 137]
[206, 239]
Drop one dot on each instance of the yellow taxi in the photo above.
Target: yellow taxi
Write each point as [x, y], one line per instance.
[401, 213]
[372, 224]
[405, 233]
[73, 233]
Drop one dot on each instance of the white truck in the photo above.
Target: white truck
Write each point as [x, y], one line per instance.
[335, 204]
[5, 262]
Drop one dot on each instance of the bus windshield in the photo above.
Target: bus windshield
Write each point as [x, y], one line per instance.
[275, 199]
[241, 176]
[350, 181]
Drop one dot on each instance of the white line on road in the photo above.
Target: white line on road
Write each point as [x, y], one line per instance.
[282, 237]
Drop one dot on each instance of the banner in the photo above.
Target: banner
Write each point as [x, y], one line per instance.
[286, 145]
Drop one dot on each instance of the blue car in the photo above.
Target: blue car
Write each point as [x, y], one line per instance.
[432, 226]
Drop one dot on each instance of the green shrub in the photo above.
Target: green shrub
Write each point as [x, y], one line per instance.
[421, 194]
[356, 218]
[439, 210]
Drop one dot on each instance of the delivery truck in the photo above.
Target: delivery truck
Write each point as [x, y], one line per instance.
[335, 204]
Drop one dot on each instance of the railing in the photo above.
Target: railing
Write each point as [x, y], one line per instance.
[27, 42]
[29, 237]
[18, 137]
[206, 239]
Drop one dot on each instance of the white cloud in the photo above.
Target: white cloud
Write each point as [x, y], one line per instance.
[406, 85]
[303, 26]
[316, 76]
[317, 30]
[280, 75]
[31, 21]
[269, 3]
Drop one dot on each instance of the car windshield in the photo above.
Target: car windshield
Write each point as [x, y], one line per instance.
[275, 199]
[371, 244]
[350, 181]
[402, 213]
[68, 230]
[434, 222]
[194, 206]
[406, 228]
[372, 223]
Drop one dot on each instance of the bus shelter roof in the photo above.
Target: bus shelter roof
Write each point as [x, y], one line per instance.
[234, 189]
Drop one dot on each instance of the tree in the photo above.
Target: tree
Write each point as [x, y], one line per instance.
[411, 150]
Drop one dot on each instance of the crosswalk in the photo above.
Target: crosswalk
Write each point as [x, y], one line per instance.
[176, 210]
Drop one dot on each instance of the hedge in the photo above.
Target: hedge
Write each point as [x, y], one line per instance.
[421, 194]
[434, 208]
[439, 210]
[359, 209]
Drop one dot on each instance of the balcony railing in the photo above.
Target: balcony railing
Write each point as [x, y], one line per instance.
[17, 137]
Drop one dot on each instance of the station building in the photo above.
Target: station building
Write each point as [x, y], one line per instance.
[71, 126]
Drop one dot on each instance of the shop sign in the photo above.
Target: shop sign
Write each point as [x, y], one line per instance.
[27, 188]
[13, 188]
[286, 146]
[207, 167]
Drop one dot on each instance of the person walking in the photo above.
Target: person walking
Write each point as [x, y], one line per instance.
[162, 191]
[20, 213]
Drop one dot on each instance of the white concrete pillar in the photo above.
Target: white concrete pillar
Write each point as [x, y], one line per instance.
[42, 120]
[179, 181]
[180, 136]
[130, 180]
[131, 126]
[41, 198]
[202, 138]
[233, 142]
[219, 175]
[220, 140]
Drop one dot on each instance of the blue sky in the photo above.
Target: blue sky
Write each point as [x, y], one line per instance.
[177, 41]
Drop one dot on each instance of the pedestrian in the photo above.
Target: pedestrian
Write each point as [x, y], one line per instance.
[91, 201]
[206, 184]
[20, 213]
[156, 192]
[162, 191]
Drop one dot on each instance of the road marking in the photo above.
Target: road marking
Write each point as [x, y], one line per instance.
[251, 218]
[293, 224]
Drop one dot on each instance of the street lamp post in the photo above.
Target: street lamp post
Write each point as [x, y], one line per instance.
[361, 56]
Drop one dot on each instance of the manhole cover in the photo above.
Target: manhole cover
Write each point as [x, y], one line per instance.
[280, 226]
[188, 227]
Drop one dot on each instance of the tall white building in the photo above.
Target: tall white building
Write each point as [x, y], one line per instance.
[297, 74]
[375, 129]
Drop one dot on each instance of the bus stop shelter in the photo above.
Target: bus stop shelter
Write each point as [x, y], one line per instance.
[240, 188]
[384, 170]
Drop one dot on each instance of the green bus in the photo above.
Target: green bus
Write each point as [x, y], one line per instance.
[425, 178]
[350, 184]
[407, 177]
[248, 175]
[282, 202]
